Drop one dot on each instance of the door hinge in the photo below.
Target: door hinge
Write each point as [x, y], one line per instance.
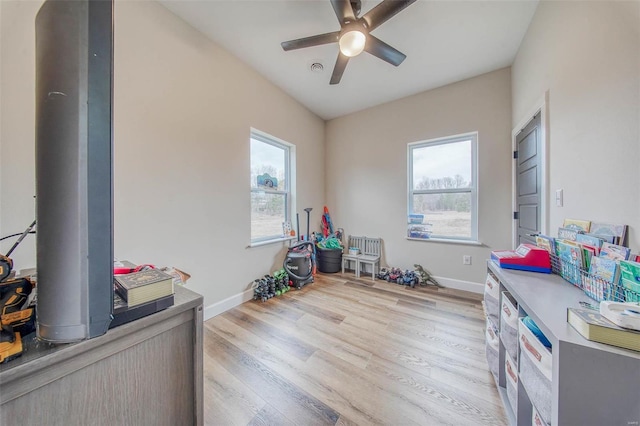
[516, 215]
[515, 154]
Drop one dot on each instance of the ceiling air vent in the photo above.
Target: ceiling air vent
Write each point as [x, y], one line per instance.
[316, 67]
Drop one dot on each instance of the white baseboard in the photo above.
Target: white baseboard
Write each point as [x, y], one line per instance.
[461, 285]
[226, 304]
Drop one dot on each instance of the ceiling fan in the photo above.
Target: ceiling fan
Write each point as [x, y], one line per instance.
[355, 36]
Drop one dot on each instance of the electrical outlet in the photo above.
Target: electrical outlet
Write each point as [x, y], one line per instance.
[466, 259]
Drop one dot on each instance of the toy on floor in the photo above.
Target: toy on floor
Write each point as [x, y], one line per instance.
[383, 273]
[282, 281]
[425, 276]
[271, 285]
[408, 278]
[394, 274]
[261, 290]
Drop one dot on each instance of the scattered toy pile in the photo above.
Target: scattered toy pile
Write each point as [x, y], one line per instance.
[271, 285]
[409, 278]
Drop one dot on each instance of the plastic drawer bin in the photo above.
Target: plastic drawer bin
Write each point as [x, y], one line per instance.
[536, 418]
[511, 371]
[492, 347]
[509, 325]
[491, 298]
[535, 371]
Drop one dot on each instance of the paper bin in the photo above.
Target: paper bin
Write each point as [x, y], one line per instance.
[511, 371]
[492, 347]
[491, 299]
[536, 364]
[509, 325]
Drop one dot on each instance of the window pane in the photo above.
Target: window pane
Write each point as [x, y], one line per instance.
[269, 162]
[442, 166]
[267, 214]
[449, 214]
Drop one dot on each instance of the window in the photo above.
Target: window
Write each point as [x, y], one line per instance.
[270, 187]
[443, 187]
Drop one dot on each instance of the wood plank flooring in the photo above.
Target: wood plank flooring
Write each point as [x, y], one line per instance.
[347, 351]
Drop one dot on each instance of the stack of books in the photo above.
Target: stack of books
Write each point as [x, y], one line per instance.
[594, 326]
[140, 294]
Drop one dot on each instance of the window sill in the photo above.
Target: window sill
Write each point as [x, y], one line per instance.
[267, 242]
[447, 241]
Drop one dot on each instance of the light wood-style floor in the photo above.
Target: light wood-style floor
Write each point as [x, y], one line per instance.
[346, 351]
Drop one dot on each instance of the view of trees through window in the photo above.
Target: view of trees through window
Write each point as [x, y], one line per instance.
[449, 201]
[442, 186]
[269, 187]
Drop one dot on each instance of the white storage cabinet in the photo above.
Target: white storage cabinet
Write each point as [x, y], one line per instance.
[577, 382]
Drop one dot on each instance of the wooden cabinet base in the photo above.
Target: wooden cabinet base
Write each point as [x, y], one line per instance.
[148, 371]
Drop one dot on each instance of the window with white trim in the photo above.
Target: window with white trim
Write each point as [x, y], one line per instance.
[443, 188]
[270, 187]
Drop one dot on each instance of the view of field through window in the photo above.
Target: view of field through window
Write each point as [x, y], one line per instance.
[441, 184]
[269, 189]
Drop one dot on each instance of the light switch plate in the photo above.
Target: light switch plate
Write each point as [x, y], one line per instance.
[559, 197]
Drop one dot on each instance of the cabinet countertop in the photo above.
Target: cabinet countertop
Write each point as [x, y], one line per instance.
[545, 298]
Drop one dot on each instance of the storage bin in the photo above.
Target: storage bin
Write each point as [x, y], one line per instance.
[415, 218]
[512, 382]
[492, 347]
[537, 420]
[535, 350]
[492, 298]
[536, 366]
[509, 324]
[329, 260]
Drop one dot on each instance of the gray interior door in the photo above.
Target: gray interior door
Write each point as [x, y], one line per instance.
[528, 181]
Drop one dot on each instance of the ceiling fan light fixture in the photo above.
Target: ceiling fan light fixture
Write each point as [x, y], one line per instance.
[352, 43]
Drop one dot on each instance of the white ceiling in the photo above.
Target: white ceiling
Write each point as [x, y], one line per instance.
[445, 41]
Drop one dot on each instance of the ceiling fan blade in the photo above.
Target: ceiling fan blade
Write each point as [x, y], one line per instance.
[383, 12]
[343, 10]
[315, 40]
[338, 69]
[382, 50]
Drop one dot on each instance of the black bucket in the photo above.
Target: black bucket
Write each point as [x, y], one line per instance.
[329, 260]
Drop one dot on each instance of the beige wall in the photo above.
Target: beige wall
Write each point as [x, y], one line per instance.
[367, 171]
[17, 130]
[183, 111]
[587, 56]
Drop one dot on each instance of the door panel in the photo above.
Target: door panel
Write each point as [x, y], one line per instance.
[529, 217]
[527, 148]
[529, 181]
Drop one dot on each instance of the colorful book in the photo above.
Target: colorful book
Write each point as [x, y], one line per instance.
[570, 261]
[602, 237]
[595, 327]
[618, 232]
[547, 243]
[567, 234]
[578, 256]
[604, 268]
[630, 270]
[588, 252]
[577, 224]
[614, 251]
[589, 239]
